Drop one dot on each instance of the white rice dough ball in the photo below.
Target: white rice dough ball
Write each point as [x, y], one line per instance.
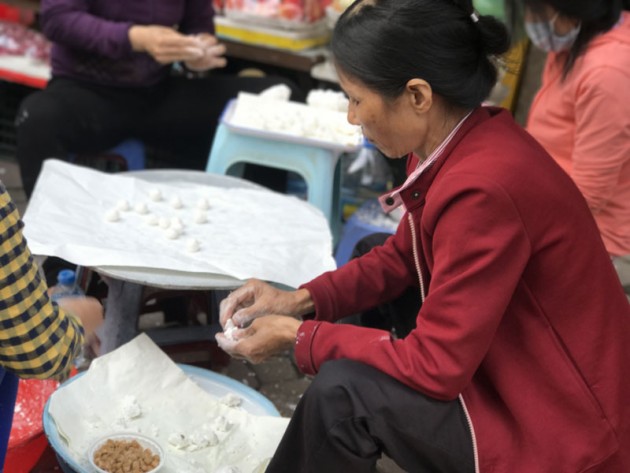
[192, 245]
[155, 194]
[203, 204]
[123, 205]
[200, 217]
[164, 223]
[173, 233]
[141, 208]
[176, 223]
[176, 203]
[112, 215]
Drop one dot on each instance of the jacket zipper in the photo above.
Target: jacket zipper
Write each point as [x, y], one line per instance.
[416, 260]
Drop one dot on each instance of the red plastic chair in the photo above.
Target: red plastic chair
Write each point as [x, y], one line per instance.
[27, 441]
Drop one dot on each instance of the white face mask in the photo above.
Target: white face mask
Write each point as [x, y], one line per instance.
[544, 37]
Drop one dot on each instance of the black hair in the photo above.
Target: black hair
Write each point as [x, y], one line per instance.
[595, 16]
[385, 43]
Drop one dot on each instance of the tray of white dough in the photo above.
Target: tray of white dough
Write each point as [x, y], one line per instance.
[188, 419]
[316, 124]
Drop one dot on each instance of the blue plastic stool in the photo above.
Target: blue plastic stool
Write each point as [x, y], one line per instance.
[131, 151]
[356, 228]
[319, 167]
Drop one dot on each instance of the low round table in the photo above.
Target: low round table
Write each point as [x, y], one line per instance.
[126, 284]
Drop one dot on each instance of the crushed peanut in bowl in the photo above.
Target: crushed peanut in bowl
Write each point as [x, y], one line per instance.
[126, 453]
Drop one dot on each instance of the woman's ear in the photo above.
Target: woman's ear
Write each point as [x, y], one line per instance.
[420, 94]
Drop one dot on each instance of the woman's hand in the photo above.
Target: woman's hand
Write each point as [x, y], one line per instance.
[213, 54]
[90, 312]
[257, 299]
[165, 44]
[265, 337]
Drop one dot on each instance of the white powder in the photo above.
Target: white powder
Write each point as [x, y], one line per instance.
[229, 329]
[231, 400]
[221, 424]
[228, 469]
[130, 408]
[178, 440]
[199, 440]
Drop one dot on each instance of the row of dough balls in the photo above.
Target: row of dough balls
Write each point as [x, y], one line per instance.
[173, 227]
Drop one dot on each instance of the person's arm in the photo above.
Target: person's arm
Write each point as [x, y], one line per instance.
[37, 338]
[69, 23]
[480, 249]
[602, 134]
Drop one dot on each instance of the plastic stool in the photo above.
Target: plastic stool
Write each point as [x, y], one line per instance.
[357, 227]
[130, 152]
[28, 441]
[319, 167]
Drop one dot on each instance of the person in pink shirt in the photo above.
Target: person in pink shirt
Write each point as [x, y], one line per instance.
[580, 114]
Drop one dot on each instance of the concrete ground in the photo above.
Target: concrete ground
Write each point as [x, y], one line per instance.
[279, 379]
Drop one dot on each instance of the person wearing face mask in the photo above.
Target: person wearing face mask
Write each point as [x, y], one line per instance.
[581, 114]
[515, 362]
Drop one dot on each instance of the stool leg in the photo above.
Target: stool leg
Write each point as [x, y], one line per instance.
[121, 314]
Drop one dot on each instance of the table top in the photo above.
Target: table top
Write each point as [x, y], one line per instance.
[170, 279]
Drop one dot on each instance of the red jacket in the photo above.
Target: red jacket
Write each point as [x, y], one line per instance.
[524, 318]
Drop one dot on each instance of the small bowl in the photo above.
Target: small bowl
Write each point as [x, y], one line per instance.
[145, 442]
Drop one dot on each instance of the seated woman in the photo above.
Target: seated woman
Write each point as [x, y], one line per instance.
[111, 80]
[515, 363]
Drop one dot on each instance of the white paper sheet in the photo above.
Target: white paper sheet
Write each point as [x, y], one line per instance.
[249, 233]
[94, 406]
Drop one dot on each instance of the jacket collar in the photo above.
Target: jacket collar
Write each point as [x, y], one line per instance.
[412, 193]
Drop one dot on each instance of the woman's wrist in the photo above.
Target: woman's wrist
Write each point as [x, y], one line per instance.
[136, 38]
[302, 303]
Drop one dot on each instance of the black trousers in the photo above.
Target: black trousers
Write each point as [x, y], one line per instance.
[178, 115]
[351, 413]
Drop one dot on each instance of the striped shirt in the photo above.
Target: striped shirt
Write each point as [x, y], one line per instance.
[37, 338]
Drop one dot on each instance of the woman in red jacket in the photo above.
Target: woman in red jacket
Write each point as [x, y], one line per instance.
[519, 356]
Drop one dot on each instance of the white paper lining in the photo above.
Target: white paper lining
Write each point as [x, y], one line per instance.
[95, 404]
[249, 233]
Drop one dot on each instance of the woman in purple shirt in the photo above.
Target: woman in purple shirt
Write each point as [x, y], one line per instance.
[112, 79]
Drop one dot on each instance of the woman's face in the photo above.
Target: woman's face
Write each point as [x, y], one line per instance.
[392, 126]
[561, 24]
